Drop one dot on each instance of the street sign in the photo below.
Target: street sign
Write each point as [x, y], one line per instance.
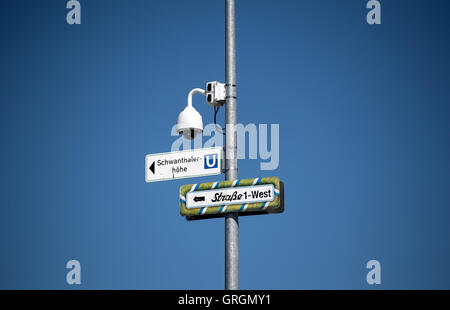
[258, 195]
[183, 164]
[230, 196]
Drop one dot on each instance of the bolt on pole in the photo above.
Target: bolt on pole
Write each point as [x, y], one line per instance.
[231, 219]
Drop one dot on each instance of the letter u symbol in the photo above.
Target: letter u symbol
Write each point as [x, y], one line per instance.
[208, 161]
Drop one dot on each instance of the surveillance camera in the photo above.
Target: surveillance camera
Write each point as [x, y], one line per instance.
[215, 93]
[189, 123]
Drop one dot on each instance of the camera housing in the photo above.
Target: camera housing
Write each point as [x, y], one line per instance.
[215, 94]
[189, 123]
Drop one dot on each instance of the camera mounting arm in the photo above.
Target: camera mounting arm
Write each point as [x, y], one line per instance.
[193, 92]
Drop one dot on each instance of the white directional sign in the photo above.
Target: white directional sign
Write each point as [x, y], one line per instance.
[183, 164]
[230, 196]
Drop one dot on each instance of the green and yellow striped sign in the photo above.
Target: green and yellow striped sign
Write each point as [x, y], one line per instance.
[276, 205]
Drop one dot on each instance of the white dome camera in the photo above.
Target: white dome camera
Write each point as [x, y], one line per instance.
[190, 122]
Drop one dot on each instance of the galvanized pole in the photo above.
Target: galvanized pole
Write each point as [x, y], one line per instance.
[231, 220]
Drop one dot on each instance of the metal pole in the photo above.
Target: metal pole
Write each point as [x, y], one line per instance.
[231, 220]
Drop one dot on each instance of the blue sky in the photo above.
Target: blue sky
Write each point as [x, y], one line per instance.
[364, 143]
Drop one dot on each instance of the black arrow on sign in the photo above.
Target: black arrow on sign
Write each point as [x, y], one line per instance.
[199, 198]
[152, 167]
